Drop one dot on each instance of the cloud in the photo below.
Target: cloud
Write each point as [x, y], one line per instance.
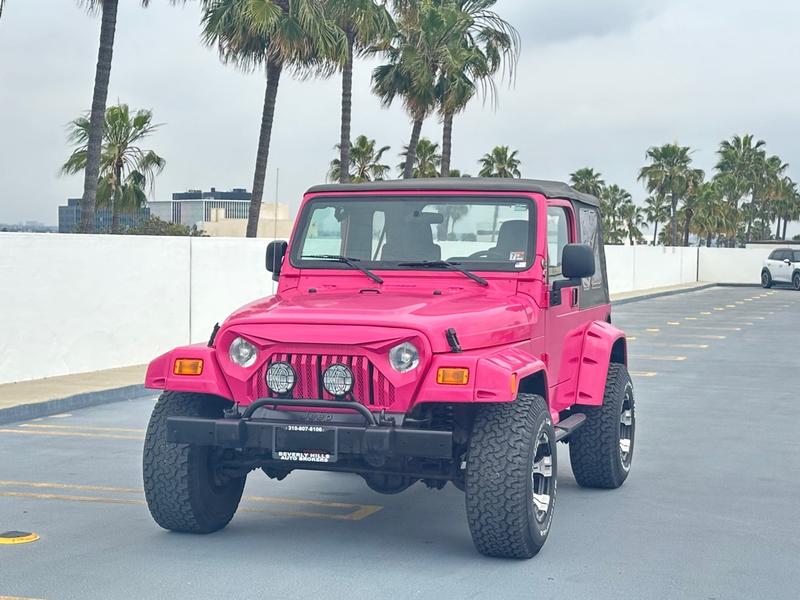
[562, 21]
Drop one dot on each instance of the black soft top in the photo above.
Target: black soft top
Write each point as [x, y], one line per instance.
[550, 189]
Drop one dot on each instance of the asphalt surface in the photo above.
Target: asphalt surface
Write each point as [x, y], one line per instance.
[710, 510]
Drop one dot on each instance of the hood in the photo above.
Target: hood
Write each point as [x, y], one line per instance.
[481, 318]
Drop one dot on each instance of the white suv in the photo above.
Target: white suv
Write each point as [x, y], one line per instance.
[782, 266]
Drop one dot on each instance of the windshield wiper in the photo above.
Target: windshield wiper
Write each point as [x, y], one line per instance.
[349, 261]
[447, 265]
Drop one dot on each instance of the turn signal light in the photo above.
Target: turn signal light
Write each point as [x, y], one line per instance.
[452, 376]
[188, 366]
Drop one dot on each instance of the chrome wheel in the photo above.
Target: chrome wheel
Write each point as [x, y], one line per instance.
[542, 481]
[627, 423]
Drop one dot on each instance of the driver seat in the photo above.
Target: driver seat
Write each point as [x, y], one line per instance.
[512, 237]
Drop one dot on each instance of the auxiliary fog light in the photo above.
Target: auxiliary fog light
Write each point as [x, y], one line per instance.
[338, 380]
[280, 377]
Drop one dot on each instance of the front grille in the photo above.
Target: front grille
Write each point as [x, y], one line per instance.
[370, 387]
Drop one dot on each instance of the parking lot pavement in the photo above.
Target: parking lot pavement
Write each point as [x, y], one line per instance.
[709, 511]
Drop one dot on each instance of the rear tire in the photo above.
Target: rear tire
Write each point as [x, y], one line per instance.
[182, 489]
[766, 279]
[511, 477]
[601, 450]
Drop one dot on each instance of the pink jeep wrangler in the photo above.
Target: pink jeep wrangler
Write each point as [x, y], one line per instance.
[435, 330]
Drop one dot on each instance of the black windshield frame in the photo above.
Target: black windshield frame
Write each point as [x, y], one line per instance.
[304, 220]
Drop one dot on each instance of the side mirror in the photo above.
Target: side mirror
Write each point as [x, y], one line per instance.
[275, 253]
[577, 261]
[787, 261]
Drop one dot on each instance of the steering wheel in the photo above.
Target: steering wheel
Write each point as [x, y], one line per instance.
[481, 254]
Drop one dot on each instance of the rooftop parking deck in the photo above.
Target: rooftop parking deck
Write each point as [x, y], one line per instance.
[708, 512]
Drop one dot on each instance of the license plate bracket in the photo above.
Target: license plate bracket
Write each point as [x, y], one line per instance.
[304, 443]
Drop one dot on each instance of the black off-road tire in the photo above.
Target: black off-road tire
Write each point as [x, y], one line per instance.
[179, 484]
[594, 449]
[499, 478]
[766, 279]
[796, 280]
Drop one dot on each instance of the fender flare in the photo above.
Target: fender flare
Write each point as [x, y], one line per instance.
[211, 381]
[602, 344]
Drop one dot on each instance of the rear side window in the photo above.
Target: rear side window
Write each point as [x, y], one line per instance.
[796, 256]
[595, 289]
[774, 255]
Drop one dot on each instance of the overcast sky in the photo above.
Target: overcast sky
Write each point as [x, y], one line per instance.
[598, 82]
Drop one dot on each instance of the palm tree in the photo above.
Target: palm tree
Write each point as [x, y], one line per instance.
[478, 44]
[787, 205]
[740, 169]
[588, 181]
[710, 212]
[656, 210]
[426, 159]
[694, 187]
[612, 201]
[273, 34]
[632, 218]
[365, 162]
[669, 174]
[364, 23]
[108, 26]
[500, 162]
[124, 166]
[413, 59]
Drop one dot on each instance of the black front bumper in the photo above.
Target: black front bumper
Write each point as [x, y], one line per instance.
[342, 439]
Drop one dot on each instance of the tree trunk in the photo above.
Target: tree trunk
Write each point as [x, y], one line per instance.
[778, 228]
[116, 197]
[97, 116]
[674, 220]
[785, 221]
[267, 116]
[686, 226]
[708, 240]
[655, 233]
[347, 110]
[408, 169]
[447, 142]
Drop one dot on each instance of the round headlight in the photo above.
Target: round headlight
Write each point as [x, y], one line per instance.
[280, 377]
[404, 357]
[242, 352]
[338, 380]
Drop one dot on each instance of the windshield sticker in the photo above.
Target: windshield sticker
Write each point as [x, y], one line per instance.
[517, 255]
[520, 208]
[520, 265]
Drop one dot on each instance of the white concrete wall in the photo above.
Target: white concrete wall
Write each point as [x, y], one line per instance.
[644, 267]
[77, 303]
[732, 265]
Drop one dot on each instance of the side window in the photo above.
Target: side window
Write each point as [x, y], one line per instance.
[796, 256]
[774, 255]
[558, 233]
[781, 255]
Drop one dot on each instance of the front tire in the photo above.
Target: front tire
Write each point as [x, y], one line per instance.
[511, 477]
[796, 280]
[766, 279]
[601, 451]
[182, 484]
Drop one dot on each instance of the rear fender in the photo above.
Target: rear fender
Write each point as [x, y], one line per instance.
[160, 373]
[602, 344]
[493, 377]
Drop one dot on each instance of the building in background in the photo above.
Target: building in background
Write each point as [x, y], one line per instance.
[194, 206]
[219, 213]
[69, 217]
[274, 222]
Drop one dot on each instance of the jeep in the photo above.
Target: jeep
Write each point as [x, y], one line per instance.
[443, 330]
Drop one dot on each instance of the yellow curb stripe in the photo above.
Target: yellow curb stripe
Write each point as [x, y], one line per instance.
[656, 357]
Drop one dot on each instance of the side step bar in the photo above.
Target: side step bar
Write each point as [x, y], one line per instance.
[568, 426]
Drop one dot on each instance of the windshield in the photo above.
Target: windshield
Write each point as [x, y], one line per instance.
[487, 234]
